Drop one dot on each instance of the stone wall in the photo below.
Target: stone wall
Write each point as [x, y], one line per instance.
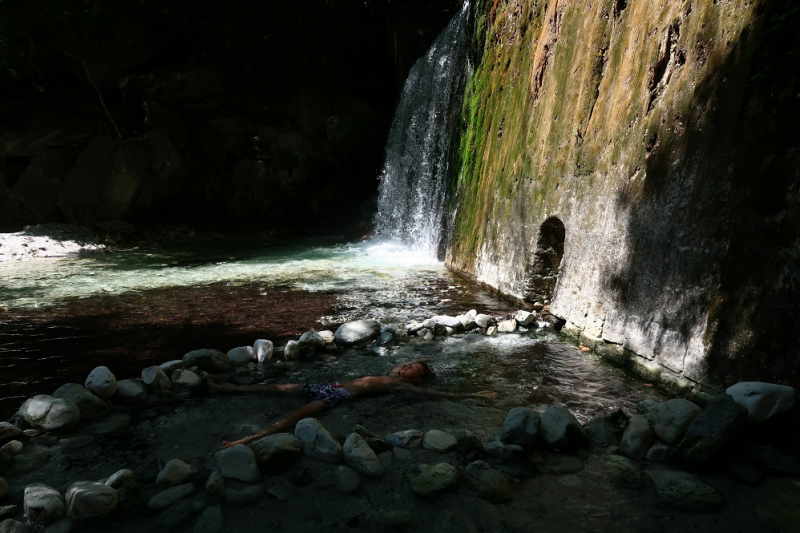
[663, 135]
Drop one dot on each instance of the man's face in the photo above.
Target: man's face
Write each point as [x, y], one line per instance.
[412, 373]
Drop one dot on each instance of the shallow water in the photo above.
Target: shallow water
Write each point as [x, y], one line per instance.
[128, 310]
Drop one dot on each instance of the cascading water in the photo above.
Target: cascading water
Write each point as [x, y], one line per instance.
[413, 191]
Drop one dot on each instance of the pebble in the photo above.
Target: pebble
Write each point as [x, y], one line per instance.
[11, 448]
[721, 420]
[482, 320]
[658, 453]
[86, 499]
[238, 462]
[439, 441]
[625, 472]
[165, 498]
[102, 382]
[346, 479]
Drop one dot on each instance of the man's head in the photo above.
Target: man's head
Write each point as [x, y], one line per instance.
[413, 372]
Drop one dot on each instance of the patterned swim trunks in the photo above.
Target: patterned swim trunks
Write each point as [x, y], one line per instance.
[331, 393]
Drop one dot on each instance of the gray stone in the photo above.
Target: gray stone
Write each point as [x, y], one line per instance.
[155, 378]
[175, 472]
[185, 378]
[409, 438]
[167, 497]
[291, 352]
[264, 350]
[672, 418]
[107, 424]
[720, 421]
[637, 438]
[346, 479]
[101, 382]
[317, 442]
[42, 504]
[275, 450]
[171, 366]
[561, 430]
[90, 405]
[625, 472]
[488, 483]
[427, 479]
[12, 526]
[360, 456]
[243, 496]
[207, 359]
[684, 490]
[119, 477]
[521, 427]
[130, 391]
[439, 441]
[778, 503]
[175, 514]
[763, 400]
[358, 333]
[238, 462]
[50, 414]
[242, 355]
[86, 499]
[8, 431]
[211, 520]
[658, 453]
[215, 487]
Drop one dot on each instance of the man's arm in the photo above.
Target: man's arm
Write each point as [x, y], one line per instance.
[283, 424]
[432, 393]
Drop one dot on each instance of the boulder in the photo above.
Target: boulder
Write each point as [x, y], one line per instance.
[311, 342]
[637, 438]
[130, 391]
[719, 421]
[101, 382]
[86, 499]
[317, 442]
[238, 462]
[155, 378]
[427, 479]
[167, 497]
[409, 438]
[684, 490]
[207, 359]
[762, 400]
[175, 472]
[274, 451]
[360, 456]
[183, 378]
[521, 427]
[263, 350]
[88, 404]
[778, 503]
[42, 504]
[489, 483]
[358, 333]
[439, 441]
[672, 418]
[561, 430]
[291, 352]
[603, 431]
[242, 355]
[346, 480]
[50, 414]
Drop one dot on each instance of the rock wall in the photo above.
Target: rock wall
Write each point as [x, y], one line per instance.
[638, 163]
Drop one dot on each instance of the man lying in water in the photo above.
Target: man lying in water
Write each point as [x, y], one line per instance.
[402, 378]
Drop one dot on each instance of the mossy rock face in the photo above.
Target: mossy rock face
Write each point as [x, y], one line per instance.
[652, 133]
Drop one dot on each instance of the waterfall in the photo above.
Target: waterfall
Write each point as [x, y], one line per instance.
[414, 188]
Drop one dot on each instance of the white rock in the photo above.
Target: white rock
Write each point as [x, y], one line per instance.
[410, 438]
[360, 456]
[346, 479]
[426, 334]
[507, 326]
[165, 498]
[42, 504]
[439, 441]
[491, 331]
[238, 462]
[50, 414]
[317, 442]
[291, 352]
[174, 473]
[482, 320]
[12, 526]
[155, 378]
[89, 498]
[186, 378]
[242, 355]
[170, 366]
[90, 405]
[357, 333]
[130, 391]
[101, 382]
[447, 321]
[264, 350]
[763, 400]
[524, 318]
[119, 477]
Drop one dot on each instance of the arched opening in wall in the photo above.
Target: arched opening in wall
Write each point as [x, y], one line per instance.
[541, 275]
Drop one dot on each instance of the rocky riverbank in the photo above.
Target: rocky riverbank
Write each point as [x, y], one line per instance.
[144, 454]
